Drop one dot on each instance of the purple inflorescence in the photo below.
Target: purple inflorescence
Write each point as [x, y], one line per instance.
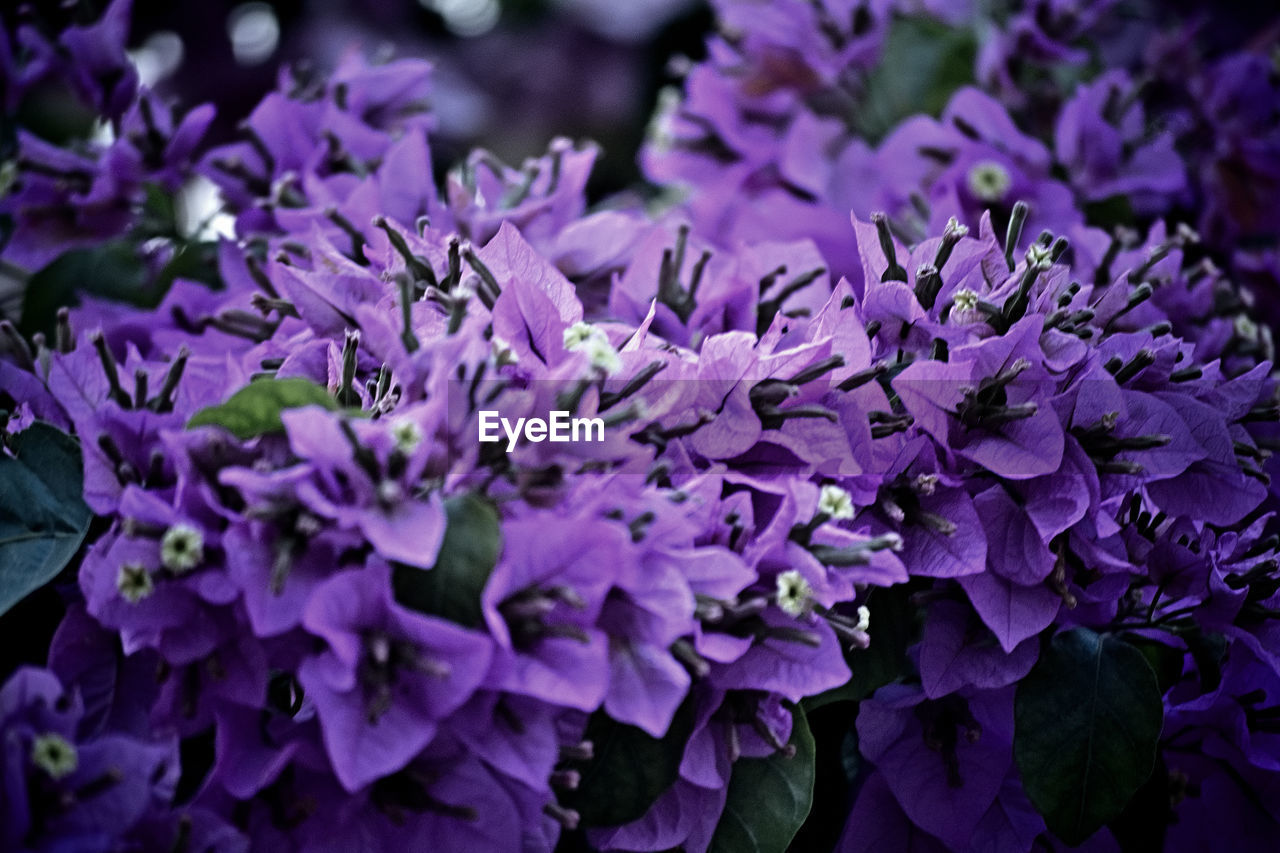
[851, 387]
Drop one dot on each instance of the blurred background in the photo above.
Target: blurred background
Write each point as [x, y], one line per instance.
[510, 74]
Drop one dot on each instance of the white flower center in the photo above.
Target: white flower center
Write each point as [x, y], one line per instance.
[55, 755]
[836, 502]
[965, 299]
[588, 339]
[578, 334]
[926, 484]
[1246, 328]
[502, 352]
[795, 595]
[1039, 256]
[181, 548]
[989, 181]
[134, 582]
[954, 228]
[407, 435]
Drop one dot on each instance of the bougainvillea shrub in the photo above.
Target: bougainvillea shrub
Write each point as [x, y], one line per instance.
[923, 500]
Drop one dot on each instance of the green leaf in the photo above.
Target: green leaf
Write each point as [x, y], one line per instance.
[768, 798]
[1111, 212]
[1087, 722]
[255, 409]
[159, 214]
[630, 768]
[885, 660]
[43, 518]
[1165, 660]
[112, 270]
[924, 63]
[1208, 651]
[191, 261]
[452, 588]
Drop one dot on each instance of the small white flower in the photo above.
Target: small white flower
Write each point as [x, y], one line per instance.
[601, 354]
[578, 334]
[926, 484]
[134, 582]
[308, 525]
[181, 548]
[835, 502]
[407, 435]
[389, 493]
[965, 299]
[989, 181]
[660, 132]
[55, 755]
[595, 344]
[795, 595]
[502, 352]
[1246, 328]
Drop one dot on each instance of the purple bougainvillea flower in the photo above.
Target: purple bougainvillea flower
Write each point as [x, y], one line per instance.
[948, 383]
[387, 677]
[64, 790]
[541, 603]
[358, 487]
[944, 761]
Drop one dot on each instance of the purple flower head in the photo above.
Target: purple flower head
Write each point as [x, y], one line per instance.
[63, 198]
[541, 604]
[89, 58]
[63, 791]
[387, 676]
[944, 761]
[880, 415]
[1102, 139]
[801, 45]
[1240, 175]
[1043, 34]
[974, 159]
[362, 480]
[540, 198]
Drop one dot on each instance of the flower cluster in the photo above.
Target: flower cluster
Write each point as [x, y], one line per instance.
[91, 192]
[768, 147]
[70, 782]
[933, 438]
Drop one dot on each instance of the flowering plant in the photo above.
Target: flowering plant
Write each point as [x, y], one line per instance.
[931, 504]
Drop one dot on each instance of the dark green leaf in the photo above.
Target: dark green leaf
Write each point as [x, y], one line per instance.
[1165, 661]
[452, 588]
[924, 63]
[768, 798]
[630, 769]
[43, 518]
[1208, 651]
[112, 270]
[885, 660]
[1087, 722]
[1111, 212]
[191, 261]
[159, 214]
[255, 409]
